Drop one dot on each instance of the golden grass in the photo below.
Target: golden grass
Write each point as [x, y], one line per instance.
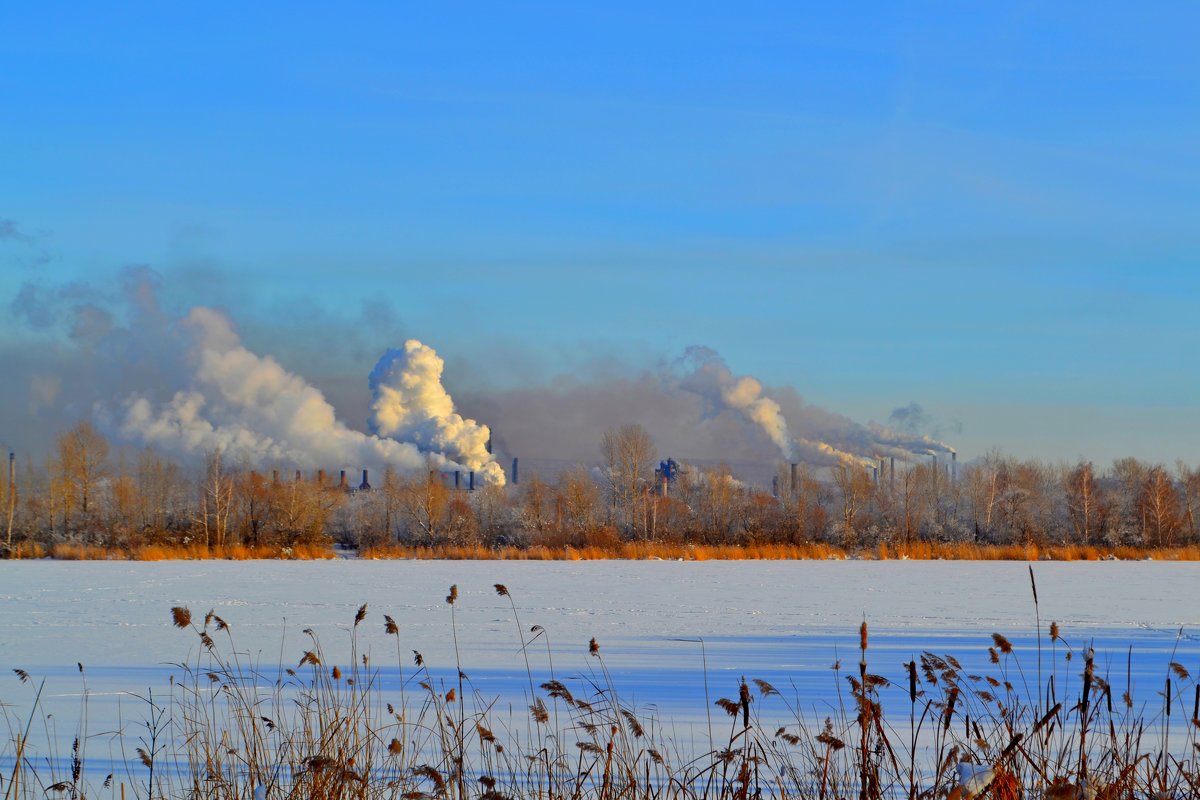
[161, 552]
[81, 552]
[667, 551]
[633, 551]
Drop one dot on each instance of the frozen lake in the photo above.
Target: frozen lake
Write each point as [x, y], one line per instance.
[785, 622]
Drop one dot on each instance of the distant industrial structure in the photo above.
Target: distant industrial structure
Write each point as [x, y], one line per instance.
[666, 473]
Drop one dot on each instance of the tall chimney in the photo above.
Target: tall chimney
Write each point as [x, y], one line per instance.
[794, 481]
[954, 467]
[457, 479]
[342, 480]
[12, 495]
[320, 477]
[274, 476]
[298, 476]
[892, 473]
[365, 486]
[471, 480]
[775, 486]
[515, 473]
[875, 475]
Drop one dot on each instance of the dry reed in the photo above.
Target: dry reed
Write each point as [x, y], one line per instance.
[235, 728]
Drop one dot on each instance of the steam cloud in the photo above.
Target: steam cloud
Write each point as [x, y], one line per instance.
[409, 403]
[710, 377]
[191, 385]
[251, 408]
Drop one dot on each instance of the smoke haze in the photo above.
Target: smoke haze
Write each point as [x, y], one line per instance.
[249, 407]
[186, 382]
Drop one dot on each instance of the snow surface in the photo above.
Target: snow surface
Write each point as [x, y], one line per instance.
[55, 613]
[785, 622]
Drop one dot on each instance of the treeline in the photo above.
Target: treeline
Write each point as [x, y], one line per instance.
[87, 495]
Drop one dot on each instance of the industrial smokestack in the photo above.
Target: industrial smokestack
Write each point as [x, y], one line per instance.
[892, 473]
[875, 475]
[342, 481]
[795, 466]
[12, 495]
[274, 476]
[954, 467]
[515, 474]
[299, 477]
[365, 486]
[775, 486]
[471, 480]
[409, 403]
[457, 479]
[320, 477]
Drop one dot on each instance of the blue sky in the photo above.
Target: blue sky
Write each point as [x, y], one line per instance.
[988, 210]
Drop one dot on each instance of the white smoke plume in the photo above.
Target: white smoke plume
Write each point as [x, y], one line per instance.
[251, 408]
[186, 382]
[842, 442]
[916, 444]
[711, 378]
[409, 403]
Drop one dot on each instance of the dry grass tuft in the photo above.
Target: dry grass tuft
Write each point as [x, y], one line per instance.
[232, 729]
[181, 617]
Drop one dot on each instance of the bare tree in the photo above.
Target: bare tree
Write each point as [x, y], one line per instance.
[82, 457]
[919, 497]
[854, 488]
[1085, 502]
[1160, 508]
[390, 496]
[253, 506]
[1189, 490]
[216, 501]
[493, 523]
[301, 510]
[535, 506]
[11, 493]
[576, 500]
[628, 454]
[124, 509]
[805, 505]
[424, 502]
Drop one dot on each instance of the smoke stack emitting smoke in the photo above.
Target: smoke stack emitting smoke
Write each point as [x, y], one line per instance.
[409, 403]
[250, 407]
[191, 386]
[711, 378]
